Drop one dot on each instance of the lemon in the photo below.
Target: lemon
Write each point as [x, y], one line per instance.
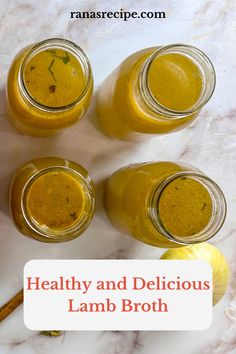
[210, 254]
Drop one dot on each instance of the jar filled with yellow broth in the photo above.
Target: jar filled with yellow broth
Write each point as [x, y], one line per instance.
[51, 199]
[165, 204]
[155, 91]
[49, 87]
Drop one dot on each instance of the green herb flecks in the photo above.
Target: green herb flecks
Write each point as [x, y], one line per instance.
[52, 51]
[50, 69]
[73, 215]
[52, 88]
[65, 58]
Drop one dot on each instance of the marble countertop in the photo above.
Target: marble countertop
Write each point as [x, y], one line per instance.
[209, 144]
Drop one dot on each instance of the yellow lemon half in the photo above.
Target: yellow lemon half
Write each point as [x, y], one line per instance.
[210, 254]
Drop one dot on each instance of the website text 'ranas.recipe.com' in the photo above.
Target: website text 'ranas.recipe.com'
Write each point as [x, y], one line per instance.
[121, 14]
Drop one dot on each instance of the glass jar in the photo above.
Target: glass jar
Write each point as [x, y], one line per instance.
[49, 87]
[51, 199]
[156, 90]
[165, 204]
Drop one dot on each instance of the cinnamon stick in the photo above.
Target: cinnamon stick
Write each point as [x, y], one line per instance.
[11, 305]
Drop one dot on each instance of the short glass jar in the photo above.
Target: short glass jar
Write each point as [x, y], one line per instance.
[51, 199]
[156, 90]
[49, 87]
[165, 204]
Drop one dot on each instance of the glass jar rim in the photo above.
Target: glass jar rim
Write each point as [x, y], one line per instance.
[55, 43]
[146, 91]
[58, 235]
[218, 212]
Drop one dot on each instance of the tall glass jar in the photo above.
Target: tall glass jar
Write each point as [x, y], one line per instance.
[165, 204]
[49, 87]
[156, 90]
[51, 199]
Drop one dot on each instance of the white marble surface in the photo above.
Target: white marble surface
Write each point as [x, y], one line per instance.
[209, 144]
